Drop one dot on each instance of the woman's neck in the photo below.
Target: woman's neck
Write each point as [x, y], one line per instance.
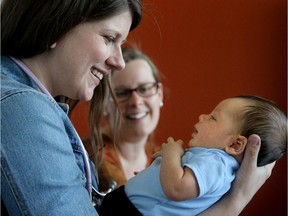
[37, 67]
[131, 150]
[132, 157]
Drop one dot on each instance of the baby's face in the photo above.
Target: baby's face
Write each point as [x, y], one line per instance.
[219, 128]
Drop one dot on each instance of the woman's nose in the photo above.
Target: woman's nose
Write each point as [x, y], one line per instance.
[135, 99]
[116, 60]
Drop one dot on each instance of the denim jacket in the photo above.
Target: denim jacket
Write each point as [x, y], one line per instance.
[42, 168]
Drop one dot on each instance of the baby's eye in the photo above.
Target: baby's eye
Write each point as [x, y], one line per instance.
[213, 118]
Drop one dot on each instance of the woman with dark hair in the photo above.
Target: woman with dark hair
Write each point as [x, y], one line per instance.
[53, 48]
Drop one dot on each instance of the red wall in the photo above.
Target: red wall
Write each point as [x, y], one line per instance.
[213, 49]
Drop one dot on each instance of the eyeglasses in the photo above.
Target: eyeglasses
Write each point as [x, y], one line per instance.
[144, 90]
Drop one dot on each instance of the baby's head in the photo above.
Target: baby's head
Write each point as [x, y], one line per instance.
[233, 120]
[264, 118]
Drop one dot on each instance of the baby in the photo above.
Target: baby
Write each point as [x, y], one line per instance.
[188, 182]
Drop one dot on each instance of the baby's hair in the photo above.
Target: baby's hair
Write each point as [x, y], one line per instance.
[264, 118]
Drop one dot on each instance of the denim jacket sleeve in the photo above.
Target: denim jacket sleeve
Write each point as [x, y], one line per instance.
[40, 172]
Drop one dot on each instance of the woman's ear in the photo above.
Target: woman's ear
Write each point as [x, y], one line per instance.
[161, 92]
[238, 146]
[53, 45]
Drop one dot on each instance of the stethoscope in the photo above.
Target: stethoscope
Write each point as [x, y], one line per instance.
[84, 152]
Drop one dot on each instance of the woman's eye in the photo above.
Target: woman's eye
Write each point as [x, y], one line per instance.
[109, 39]
[122, 93]
[143, 89]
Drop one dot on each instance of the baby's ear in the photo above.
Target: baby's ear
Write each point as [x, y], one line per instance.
[238, 146]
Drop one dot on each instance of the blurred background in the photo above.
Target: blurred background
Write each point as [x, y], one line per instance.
[209, 50]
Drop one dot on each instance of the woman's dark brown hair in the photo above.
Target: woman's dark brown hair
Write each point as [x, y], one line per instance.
[30, 27]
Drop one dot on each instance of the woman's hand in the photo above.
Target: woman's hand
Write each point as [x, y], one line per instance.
[249, 179]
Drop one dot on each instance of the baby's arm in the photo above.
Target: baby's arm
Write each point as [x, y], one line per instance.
[177, 183]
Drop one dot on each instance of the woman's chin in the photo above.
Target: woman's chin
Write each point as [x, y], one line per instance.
[87, 96]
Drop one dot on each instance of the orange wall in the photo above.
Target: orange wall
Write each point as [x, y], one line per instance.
[210, 50]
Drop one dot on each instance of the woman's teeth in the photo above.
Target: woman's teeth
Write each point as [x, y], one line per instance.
[97, 74]
[138, 115]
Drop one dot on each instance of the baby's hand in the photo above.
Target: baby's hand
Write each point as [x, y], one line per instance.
[173, 147]
[157, 154]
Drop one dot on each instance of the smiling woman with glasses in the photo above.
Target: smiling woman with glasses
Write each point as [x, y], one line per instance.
[139, 93]
[143, 90]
